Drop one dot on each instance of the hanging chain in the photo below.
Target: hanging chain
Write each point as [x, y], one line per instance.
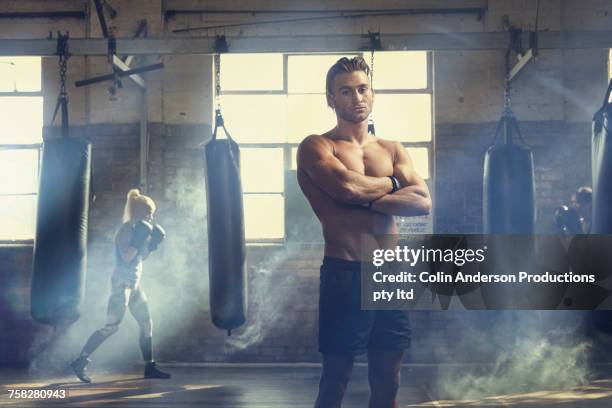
[62, 100]
[372, 69]
[507, 88]
[371, 128]
[62, 69]
[63, 64]
[217, 60]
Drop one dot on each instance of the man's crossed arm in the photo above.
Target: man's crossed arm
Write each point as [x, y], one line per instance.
[316, 158]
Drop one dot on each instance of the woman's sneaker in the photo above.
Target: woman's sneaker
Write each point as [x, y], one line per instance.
[153, 372]
[80, 368]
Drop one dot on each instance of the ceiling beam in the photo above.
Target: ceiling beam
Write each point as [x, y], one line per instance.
[308, 43]
[42, 14]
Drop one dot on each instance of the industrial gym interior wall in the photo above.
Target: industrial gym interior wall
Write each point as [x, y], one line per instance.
[553, 98]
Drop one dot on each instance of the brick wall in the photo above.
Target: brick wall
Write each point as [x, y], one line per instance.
[283, 281]
[17, 330]
[553, 99]
[562, 163]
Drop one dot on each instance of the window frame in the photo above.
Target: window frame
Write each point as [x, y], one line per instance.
[24, 146]
[31, 146]
[288, 146]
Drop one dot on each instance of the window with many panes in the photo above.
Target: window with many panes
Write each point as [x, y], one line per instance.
[271, 102]
[21, 116]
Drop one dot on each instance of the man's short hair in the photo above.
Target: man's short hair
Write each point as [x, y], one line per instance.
[584, 195]
[344, 65]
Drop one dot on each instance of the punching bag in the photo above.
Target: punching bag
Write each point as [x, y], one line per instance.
[508, 208]
[60, 246]
[508, 188]
[601, 162]
[601, 216]
[226, 246]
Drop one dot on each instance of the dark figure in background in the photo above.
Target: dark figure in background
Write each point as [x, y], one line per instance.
[567, 220]
[576, 219]
[355, 183]
[582, 201]
[134, 241]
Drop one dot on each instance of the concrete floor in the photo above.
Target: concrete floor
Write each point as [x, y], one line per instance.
[268, 387]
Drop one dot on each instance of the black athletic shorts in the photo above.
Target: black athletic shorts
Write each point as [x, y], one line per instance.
[346, 329]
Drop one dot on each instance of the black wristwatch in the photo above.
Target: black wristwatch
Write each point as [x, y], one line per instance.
[396, 184]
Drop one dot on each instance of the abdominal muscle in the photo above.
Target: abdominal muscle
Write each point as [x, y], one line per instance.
[355, 237]
[347, 229]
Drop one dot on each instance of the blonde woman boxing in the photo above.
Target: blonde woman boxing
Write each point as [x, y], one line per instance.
[137, 237]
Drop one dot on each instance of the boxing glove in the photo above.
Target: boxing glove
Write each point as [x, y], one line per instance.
[567, 220]
[140, 233]
[157, 236]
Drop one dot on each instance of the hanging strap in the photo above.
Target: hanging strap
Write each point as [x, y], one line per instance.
[508, 119]
[498, 129]
[517, 130]
[220, 123]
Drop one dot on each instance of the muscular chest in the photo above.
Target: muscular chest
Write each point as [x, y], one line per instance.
[371, 160]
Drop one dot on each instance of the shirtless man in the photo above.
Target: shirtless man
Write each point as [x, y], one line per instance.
[355, 184]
